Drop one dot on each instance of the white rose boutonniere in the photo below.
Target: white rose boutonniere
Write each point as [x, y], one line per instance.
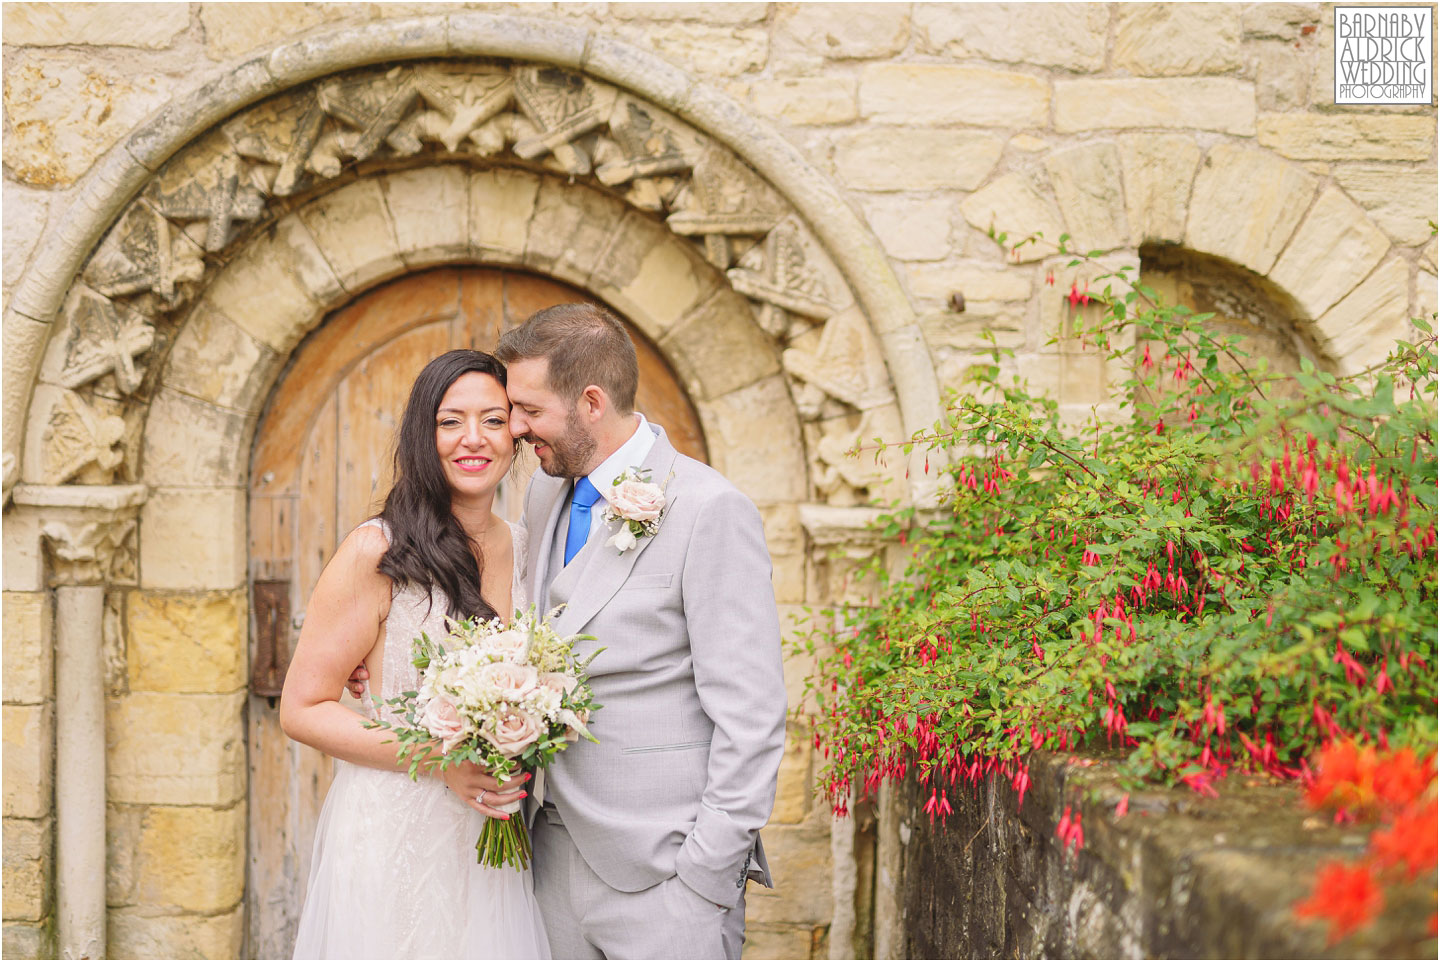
[636, 505]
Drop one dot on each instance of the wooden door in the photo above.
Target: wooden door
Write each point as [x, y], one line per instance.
[322, 464]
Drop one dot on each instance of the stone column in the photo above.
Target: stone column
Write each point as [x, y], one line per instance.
[85, 531]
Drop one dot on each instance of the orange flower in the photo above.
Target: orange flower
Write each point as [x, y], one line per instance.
[1400, 778]
[1346, 777]
[1409, 840]
[1347, 897]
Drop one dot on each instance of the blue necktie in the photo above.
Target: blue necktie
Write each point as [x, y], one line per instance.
[585, 496]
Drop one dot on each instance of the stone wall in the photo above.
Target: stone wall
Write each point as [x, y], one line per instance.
[1178, 876]
[1201, 126]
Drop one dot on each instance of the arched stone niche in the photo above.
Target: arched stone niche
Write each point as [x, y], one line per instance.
[242, 176]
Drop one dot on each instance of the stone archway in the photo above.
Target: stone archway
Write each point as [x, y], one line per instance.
[157, 318]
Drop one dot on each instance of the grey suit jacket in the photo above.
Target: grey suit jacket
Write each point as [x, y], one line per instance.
[692, 727]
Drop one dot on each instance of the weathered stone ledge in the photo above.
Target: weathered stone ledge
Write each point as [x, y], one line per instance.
[1179, 876]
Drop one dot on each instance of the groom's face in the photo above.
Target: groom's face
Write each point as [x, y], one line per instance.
[554, 428]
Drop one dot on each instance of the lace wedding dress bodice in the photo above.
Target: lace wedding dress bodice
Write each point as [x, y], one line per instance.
[394, 873]
[413, 612]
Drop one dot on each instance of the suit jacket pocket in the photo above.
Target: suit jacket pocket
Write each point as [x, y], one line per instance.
[677, 747]
[647, 581]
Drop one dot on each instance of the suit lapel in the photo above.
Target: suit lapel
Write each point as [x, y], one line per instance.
[606, 572]
[540, 545]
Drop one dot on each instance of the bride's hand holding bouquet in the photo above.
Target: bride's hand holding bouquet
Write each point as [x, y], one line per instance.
[503, 698]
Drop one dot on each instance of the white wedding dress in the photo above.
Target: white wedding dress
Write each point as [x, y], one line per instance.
[394, 874]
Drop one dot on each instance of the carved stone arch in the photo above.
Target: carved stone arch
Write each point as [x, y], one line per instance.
[796, 248]
[1347, 281]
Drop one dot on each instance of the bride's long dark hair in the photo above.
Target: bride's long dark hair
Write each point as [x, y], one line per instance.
[428, 546]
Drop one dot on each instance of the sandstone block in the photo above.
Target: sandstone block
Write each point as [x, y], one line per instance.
[881, 158]
[28, 940]
[978, 282]
[1332, 251]
[192, 859]
[1427, 254]
[845, 362]
[792, 790]
[708, 12]
[799, 855]
[232, 29]
[152, 25]
[29, 760]
[720, 51]
[501, 202]
[429, 207]
[1425, 294]
[1159, 170]
[1363, 327]
[650, 277]
[1400, 200]
[193, 538]
[849, 31]
[770, 473]
[720, 348]
[122, 846]
[807, 101]
[270, 289]
[1016, 206]
[1041, 372]
[1282, 76]
[133, 935]
[1282, 21]
[1204, 103]
[177, 749]
[778, 942]
[24, 568]
[353, 229]
[28, 845]
[1348, 136]
[1070, 36]
[570, 230]
[973, 330]
[65, 110]
[29, 658]
[941, 94]
[192, 443]
[186, 642]
[1246, 205]
[214, 360]
[1173, 39]
[1087, 186]
[22, 228]
[911, 229]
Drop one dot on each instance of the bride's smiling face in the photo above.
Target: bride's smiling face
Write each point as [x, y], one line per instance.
[472, 434]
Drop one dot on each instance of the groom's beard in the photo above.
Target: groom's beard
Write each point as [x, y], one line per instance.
[568, 454]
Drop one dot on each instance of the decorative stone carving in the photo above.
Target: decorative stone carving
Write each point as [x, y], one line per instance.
[461, 101]
[648, 142]
[99, 338]
[848, 363]
[280, 136]
[89, 552]
[145, 253]
[787, 273]
[75, 436]
[725, 197]
[211, 192]
[562, 106]
[375, 108]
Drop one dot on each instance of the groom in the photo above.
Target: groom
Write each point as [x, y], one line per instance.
[645, 840]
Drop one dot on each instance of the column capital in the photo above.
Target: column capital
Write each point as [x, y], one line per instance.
[87, 530]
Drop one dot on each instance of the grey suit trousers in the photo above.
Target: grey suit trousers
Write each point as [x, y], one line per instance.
[587, 919]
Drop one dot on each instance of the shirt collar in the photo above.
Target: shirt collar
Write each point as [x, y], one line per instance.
[631, 454]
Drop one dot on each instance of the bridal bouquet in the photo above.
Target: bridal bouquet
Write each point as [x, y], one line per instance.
[504, 697]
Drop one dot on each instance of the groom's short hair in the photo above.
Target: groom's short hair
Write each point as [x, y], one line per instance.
[584, 344]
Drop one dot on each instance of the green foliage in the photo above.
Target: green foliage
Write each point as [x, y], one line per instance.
[1236, 569]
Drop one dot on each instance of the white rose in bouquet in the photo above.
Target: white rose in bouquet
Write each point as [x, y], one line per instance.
[507, 681]
[507, 645]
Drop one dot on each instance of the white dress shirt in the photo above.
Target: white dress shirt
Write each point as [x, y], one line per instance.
[631, 454]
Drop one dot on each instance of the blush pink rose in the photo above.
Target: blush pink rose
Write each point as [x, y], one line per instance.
[513, 732]
[636, 500]
[442, 720]
[513, 682]
[558, 682]
[507, 644]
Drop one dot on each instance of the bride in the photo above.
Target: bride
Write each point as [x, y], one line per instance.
[394, 873]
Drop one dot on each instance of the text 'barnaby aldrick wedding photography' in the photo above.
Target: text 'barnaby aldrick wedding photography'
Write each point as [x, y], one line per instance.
[1383, 55]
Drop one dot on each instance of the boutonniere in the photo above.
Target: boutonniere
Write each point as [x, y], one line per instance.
[637, 504]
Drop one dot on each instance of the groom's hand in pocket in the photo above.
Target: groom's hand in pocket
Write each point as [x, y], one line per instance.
[472, 782]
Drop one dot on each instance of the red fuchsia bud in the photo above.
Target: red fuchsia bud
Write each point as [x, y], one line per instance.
[1170, 551]
[1194, 412]
[1146, 362]
[1255, 471]
[1123, 807]
[1050, 278]
[1382, 681]
[1159, 427]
